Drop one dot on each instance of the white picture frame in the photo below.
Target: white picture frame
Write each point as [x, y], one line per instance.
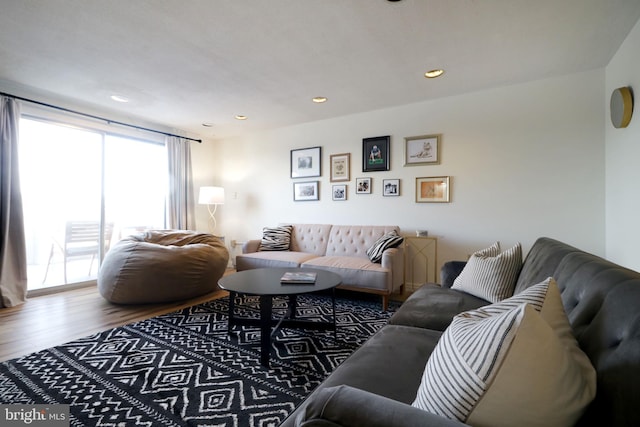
[363, 185]
[339, 192]
[340, 167]
[422, 150]
[391, 187]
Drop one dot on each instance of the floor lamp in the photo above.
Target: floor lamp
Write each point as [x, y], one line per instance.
[211, 196]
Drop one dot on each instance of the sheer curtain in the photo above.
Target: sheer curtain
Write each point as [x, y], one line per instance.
[181, 204]
[13, 252]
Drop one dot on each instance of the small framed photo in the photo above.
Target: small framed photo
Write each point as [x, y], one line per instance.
[303, 191]
[363, 185]
[433, 189]
[339, 192]
[305, 162]
[375, 153]
[340, 167]
[422, 150]
[390, 187]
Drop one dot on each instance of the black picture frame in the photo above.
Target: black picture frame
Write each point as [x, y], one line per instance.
[376, 153]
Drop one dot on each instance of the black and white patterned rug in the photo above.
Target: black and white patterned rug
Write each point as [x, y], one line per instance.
[183, 368]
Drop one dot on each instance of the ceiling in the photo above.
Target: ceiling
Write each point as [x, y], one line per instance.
[182, 63]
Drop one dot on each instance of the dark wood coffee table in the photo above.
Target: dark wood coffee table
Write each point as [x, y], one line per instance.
[265, 283]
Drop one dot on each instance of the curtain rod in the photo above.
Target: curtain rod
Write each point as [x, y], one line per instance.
[91, 116]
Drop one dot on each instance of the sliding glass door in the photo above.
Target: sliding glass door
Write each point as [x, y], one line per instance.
[135, 185]
[82, 191]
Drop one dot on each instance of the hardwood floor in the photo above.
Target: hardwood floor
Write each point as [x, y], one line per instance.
[49, 320]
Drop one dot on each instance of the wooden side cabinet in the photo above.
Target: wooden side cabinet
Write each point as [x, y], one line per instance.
[420, 260]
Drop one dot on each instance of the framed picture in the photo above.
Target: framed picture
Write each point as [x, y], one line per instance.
[433, 189]
[303, 191]
[363, 185]
[305, 162]
[339, 192]
[422, 150]
[340, 167]
[391, 187]
[375, 153]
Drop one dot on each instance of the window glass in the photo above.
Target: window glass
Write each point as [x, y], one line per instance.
[135, 185]
[65, 191]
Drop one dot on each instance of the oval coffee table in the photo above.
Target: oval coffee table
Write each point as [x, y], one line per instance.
[265, 283]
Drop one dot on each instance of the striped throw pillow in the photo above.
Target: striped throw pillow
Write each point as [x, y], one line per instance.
[511, 363]
[489, 274]
[389, 240]
[276, 238]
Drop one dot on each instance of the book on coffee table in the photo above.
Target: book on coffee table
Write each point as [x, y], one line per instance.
[301, 278]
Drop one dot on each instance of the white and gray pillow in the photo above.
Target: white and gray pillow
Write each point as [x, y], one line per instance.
[390, 240]
[276, 238]
[489, 274]
[511, 363]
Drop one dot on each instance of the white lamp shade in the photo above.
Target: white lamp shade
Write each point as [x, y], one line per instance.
[211, 196]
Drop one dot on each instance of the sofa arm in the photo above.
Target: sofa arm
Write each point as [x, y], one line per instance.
[393, 260]
[251, 246]
[449, 271]
[351, 407]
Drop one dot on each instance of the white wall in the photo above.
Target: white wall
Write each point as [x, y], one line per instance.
[203, 161]
[622, 160]
[525, 161]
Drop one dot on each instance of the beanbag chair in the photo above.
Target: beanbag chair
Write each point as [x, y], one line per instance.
[162, 266]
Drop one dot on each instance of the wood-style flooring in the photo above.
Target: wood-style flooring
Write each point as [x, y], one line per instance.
[49, 320]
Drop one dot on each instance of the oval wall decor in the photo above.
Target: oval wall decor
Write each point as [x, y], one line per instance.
[621, 107]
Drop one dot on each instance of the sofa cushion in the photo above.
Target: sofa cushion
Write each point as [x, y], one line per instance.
[345, 406]
[434, 307]
[541, 262]
[370, 366]
[272, 259]
[355, 240]
[511, 363]
[276, 238]
[354, 271]
[491, 275]
[310, 238]
[389, 240]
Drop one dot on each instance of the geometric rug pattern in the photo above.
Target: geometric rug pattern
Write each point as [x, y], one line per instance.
[184, 369]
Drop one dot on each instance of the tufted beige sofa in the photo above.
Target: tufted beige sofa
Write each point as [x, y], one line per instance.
[338, 248]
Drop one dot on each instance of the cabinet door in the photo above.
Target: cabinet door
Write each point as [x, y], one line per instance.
[420, 261]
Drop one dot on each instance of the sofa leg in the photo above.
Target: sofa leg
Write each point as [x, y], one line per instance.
[385, 302]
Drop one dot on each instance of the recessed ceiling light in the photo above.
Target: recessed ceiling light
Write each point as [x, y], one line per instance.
[241, 117]
[119, 98]
[207, 125]
[319, 99]
[432, 74]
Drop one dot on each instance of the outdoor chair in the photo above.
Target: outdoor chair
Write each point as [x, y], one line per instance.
[81, 239]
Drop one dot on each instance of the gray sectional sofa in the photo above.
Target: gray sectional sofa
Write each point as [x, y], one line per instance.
[377, 384]
[338, 248]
